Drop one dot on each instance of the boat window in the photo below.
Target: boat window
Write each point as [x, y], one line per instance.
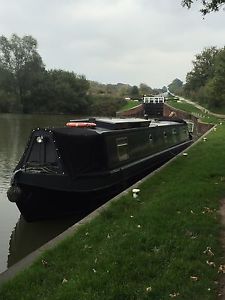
[122, 148]
[174, 131]
[42, 154]
[150, 138]
[165, 134]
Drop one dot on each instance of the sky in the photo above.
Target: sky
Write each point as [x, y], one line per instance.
[111, 41]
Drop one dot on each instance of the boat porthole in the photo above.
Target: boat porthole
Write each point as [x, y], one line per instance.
[150, 138]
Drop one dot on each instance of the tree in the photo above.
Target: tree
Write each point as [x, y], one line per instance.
[215, 88]
[207, 6]
[134, 92]
[105, 105]
[176, 86]
[21, 62]
[144, 89]
[206, 82]
[203, 70]
[164, 89]
[58, 91]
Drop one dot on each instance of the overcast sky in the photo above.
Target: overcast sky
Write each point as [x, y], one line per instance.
[110, 41]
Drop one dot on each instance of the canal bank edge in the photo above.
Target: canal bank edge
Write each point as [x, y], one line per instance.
[30, 258]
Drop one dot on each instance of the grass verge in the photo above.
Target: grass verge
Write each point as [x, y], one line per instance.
[162, 245]
[184, 106]
[130, 104]
[205, 117]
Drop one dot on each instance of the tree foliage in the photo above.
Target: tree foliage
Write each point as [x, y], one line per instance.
[134, 93]
[26, 86]
[19, 64]
[58, 91]
[176, 86]
[215, 87]
[16, 53]
[207, 5]
[203, 69]
[118, 90]
[206, 82]
[144, 89]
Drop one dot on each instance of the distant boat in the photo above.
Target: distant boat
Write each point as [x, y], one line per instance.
[64, 171]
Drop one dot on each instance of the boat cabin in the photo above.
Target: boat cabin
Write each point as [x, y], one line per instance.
[110, 144]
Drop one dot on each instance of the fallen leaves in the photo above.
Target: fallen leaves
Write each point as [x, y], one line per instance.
[87, 247]
[191, 234]
[156, 249]
[208, 251]
[221, 269]
[211, 263]
[174, 295]
[149, 289]
[64, 280]
[194, 278]
[44, 263]
[207, 210]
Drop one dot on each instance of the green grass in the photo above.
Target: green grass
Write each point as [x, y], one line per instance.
[146, 248]
[204, 117]
[130, 104]
[184, 106]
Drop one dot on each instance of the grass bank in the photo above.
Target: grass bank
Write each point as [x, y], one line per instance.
[180, 104]
[164, 244]
[130, 104]
[205, 117]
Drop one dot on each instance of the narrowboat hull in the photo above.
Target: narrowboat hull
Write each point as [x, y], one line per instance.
[45, 196]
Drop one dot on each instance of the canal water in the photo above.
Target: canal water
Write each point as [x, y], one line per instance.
[17, 237]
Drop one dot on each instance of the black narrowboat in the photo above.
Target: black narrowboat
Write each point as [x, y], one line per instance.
[65, 171]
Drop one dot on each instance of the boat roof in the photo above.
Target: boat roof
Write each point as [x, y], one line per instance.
[117, 123]
[108, 124]
[128, 123]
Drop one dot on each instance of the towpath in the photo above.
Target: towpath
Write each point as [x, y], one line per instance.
[203, 109]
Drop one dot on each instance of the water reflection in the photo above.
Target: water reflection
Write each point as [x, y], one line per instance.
[14, 132]
[27, 237]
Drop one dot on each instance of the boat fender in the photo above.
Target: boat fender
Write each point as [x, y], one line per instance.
[81, 124]
[14, 193]
[12, 182]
